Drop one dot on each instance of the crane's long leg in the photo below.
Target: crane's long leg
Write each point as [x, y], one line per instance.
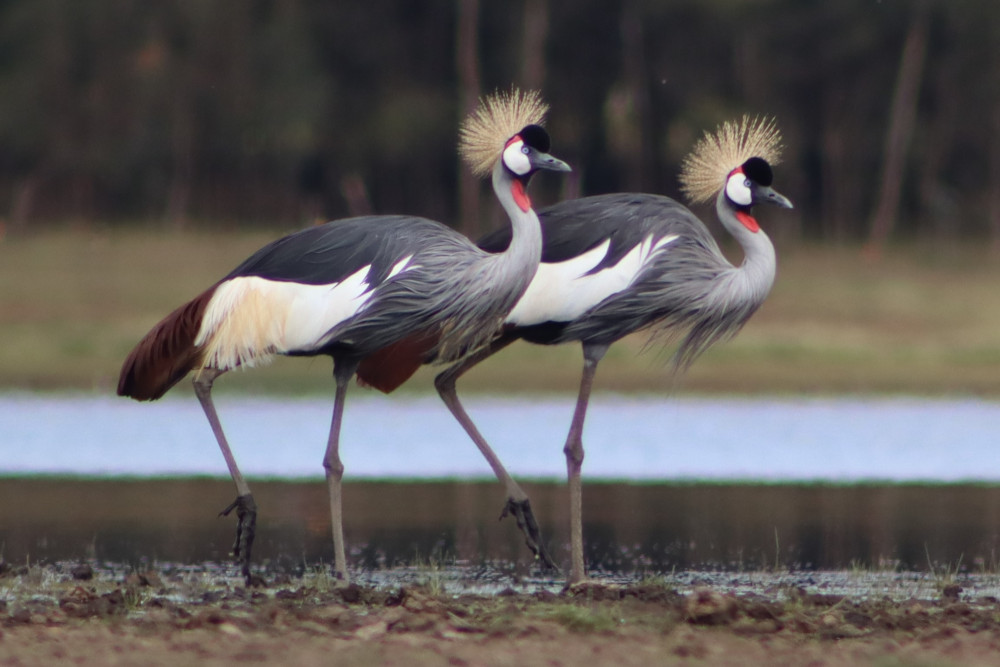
[343, 371]
[592, 355]
[518, 503]
[246, 508]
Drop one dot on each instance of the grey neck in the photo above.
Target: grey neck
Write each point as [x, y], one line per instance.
[755, 276]
[520, 261]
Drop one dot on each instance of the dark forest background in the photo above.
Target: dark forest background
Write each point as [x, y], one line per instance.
[239, 112]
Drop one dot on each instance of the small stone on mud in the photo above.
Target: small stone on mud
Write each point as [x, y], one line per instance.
[951, 593]
[82, 572]
[762, 609]
[595, 591]
[351, 594]
[286, 594]
[842, 631]
[21, 615]
[824, 599]
[420, 603]
[749, 626]
[958, 609]
[137, 579]
[545, 596]
[211, 596]
[859, 619]
[708, 607]
[228, 628]
[653, 593]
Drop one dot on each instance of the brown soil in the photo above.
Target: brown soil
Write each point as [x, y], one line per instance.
[51, 615]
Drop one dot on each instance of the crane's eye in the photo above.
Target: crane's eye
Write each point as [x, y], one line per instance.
[515, 157]
[739, 189]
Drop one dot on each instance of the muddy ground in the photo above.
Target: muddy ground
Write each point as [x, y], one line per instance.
[90, 614]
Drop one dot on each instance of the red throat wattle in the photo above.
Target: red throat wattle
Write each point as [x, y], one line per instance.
[748, 221]
[521, 197]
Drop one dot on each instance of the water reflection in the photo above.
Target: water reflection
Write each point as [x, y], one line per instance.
[629, 527]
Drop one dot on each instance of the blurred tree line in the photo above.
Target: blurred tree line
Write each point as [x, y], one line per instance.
[288, 111]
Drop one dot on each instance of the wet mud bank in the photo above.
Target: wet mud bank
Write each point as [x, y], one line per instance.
[91, 613]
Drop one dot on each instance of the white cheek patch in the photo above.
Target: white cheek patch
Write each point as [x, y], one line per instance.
[562, 291]
[737, 189]
[515, 159]
[249, 318]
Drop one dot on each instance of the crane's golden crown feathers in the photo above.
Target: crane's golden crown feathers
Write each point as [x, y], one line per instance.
[704, 171]
[498, 117]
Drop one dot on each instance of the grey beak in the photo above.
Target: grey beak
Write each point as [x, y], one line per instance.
[541, 160]
[768, 195]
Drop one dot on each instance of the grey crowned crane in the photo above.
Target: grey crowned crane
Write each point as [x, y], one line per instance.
[620, 263]
[353, 287]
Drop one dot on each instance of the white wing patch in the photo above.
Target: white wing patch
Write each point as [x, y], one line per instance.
[562, 291]
[249, 318]
[400, 266]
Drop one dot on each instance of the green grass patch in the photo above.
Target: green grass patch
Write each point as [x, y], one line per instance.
[74, 301]
[583, 619]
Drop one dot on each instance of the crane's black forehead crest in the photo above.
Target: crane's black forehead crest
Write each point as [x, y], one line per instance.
[758, 170]
[536, 137]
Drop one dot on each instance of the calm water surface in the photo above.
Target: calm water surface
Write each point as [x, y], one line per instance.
[672, 484]
[650, 439]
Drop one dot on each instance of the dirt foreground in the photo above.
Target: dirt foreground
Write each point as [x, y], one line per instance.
[70, 614]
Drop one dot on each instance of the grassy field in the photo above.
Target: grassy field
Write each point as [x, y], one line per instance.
[923, 320]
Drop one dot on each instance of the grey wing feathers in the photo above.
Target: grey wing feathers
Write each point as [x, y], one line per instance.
[437, 295]
[676, 293]
[417, 301]
[668, 292]
[425, 300]
[673, 297]
[571, 228]
[329, 253]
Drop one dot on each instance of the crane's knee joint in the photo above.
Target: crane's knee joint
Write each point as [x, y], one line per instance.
[204, 379]
[574, 453]
[444, 382]
[201, 385]
[334, 468]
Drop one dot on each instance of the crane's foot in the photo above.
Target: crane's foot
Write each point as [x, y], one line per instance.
[246, 530]
[521, 511]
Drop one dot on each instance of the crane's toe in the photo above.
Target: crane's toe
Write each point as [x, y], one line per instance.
[246, 530]
[521, 511]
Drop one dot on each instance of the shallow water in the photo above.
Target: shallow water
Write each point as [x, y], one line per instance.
[645, 438]
[629, 528]
[672, 484]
